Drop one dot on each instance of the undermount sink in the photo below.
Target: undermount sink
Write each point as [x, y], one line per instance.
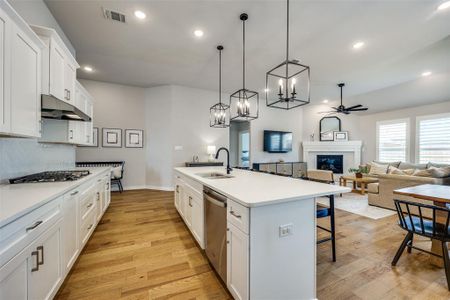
[214, 175]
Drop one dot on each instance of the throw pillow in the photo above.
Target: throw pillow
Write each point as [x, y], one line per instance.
[440, 172]
[394, 170]
[422, 173]
[408, 171]
[377, 169]
[116, 172]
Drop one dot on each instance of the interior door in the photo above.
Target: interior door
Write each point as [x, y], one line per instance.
[25, 85]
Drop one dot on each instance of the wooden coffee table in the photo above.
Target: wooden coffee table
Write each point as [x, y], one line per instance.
[363, 182]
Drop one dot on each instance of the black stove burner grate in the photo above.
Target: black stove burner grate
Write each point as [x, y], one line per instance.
[51, 176]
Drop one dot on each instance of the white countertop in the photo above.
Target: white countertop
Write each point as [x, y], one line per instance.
[18, 199]
[253, 189]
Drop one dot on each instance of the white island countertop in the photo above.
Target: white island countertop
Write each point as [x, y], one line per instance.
[18, 199]
[253, 189]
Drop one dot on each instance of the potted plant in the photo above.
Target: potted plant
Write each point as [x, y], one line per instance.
[359, 171]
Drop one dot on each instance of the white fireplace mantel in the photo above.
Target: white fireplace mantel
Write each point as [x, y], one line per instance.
[350, 149]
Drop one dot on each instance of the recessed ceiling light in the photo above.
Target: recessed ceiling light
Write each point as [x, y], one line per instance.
[426, 73]
[444, 5]
[140, 14]
[266, 90]
[88, 69]
[358, 45]
[198, 33]
[325, 101]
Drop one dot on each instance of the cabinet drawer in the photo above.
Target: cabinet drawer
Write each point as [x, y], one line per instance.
[195, 185]
[87, 203]
[238, 215]
[16, 235]
[87, 227]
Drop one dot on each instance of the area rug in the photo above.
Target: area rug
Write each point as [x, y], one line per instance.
[357, 204]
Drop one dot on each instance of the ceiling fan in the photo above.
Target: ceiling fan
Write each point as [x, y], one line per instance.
[347, 110]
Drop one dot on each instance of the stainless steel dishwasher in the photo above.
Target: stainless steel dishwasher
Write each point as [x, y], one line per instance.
[216, 231]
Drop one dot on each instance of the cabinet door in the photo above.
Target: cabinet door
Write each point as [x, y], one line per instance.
[25, 85]
[57, 71]
[237, 262]
[5, 60]
[69, 231]
[99, 199]
[197, 219]
[177, 196]
[188, 208]
[14, 278]
[69, 81]
[44, 278]
[107, 192]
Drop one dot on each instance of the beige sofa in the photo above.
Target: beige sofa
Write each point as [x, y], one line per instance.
[382, 193]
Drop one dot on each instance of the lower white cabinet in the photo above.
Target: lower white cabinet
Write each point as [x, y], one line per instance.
[36, 272]
[237, 262]
[38, 249]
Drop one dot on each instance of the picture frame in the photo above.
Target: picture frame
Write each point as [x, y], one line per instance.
[111, 137]
[134, 138]
[340, 136]
[94, 139]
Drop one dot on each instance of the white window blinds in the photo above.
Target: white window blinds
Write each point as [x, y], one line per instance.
[393, 140]
[434, 139]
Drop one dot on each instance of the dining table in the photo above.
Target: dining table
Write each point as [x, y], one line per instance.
[440, 196]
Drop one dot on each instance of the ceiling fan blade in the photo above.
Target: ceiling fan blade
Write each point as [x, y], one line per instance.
[352, 107]
[359, 109]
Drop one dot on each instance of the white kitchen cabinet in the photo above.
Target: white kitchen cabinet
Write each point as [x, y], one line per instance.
[20, 79]
[237, 262]
[70, 225]
[14, 277]
[58, 66]
[197, 218]
[45, 272]
[188, 209]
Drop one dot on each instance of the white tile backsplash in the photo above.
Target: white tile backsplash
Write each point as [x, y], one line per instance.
[20, 157]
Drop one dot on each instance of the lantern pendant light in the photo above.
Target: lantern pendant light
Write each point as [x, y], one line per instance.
[244, 103]
[288, 84]
[219, 114]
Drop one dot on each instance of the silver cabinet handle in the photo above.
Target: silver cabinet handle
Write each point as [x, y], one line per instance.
[37, 261]
[41, 249]
[234, 214]
[68, 91]
[90, 226]
[177, 189]
[74, 193]
[90, 204]
[36, 224]
[190, 199]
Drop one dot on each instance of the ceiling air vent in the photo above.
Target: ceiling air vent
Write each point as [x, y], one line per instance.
[113, 15]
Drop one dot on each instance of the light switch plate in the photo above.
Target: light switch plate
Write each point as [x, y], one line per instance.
[285, 230]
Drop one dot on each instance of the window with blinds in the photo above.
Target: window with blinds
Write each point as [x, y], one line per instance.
[433, 139]
[393, 140]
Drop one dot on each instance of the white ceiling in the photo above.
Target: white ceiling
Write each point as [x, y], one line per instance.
[403, 39]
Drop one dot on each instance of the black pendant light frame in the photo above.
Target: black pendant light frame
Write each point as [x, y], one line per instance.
[244, 103]
[288, 99]
[219, 114]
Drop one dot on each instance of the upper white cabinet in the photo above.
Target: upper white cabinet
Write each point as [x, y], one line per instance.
[20, 79]
[58, 66]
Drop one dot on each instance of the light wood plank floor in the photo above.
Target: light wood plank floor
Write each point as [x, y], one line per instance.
[142, 250]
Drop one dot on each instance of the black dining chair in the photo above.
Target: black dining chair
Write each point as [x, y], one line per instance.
[411, 218]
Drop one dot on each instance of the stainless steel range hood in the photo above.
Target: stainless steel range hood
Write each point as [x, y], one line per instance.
[53, 108]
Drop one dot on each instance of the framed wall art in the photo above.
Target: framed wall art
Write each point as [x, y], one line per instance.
[340, 136]
[111, 137]
[134, 138]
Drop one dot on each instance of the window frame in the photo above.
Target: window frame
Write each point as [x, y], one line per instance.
[421, 118]
[407, 134]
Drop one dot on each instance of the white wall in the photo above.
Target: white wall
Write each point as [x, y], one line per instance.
[178, 117]
[363, 127]
[118, 106]
[275, 119]
[36, 12]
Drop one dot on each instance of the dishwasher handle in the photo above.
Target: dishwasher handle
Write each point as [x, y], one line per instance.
[215, 201]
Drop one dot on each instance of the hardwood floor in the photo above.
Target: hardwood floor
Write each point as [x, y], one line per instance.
[142, 250]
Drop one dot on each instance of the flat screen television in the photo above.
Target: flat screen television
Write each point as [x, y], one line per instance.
[277, 141]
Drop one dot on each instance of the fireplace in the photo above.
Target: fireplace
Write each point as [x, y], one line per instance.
[333, 163]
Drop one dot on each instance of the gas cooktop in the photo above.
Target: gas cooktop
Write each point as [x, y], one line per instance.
[51, 176]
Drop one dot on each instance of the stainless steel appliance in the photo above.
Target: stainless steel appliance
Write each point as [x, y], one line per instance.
[216, 231]
[51, 176]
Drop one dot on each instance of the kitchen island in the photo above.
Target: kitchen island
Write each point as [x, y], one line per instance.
[270, 228]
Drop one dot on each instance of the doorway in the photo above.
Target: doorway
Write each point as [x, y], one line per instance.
[240, 144]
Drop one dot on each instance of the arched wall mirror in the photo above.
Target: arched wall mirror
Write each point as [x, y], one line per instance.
[327, 126]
